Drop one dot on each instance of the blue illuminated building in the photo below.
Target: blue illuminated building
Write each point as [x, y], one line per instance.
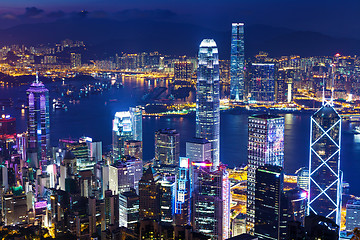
[182, 204]
[237, 62]
[38, 123]
[325, 177]
[207, 97]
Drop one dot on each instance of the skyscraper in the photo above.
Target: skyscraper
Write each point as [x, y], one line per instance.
[207, 97]
[211, 202]
[198, 150]
[237, 59]
[127, 125]
[268, 191]
[183, 71]
[167, 147]
[324, 166]
[75, 60]
[38, 123]
[265, 146]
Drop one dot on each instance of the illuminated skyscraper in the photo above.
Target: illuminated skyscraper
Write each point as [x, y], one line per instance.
[268, 190]
[38, 123]
[324, 166]
[211, 202]
[182, 203]
[237, 59]
[265, 146]
[127, 126]
[207, 97]
[167, 147]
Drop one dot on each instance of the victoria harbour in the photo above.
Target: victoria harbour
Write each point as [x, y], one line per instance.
[92, 117]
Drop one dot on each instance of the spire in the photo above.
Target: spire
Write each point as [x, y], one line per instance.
[37, 77]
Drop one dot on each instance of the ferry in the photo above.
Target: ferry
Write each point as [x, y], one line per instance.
[356, 130]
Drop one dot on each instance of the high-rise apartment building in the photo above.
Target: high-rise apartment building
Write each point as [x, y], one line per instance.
[208, 98]
[237, 62]
[133, 148]
[75, 60]
[262, 82]
[183, 71]
[324, 165]
[265, 147]
[38, 123]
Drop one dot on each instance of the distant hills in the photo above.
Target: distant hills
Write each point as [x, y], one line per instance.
[106, 37]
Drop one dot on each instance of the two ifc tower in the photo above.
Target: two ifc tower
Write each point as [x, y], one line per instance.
[325, 177]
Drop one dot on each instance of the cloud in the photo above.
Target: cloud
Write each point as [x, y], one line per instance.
[33, 12]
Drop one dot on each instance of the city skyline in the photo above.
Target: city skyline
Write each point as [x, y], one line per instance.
[144, 144]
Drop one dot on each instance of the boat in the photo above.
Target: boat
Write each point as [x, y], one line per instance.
[356, 130]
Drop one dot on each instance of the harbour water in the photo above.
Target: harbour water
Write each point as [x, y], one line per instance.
[92, 116]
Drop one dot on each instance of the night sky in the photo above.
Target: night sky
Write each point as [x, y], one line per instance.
[334, 18]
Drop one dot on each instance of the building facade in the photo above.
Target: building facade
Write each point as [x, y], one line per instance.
[38, 123]
[265, 146]
[325, 177]
[237, 62]
[167, 147]
[208, 98]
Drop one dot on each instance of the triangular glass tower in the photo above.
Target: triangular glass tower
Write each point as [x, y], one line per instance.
[325, 178]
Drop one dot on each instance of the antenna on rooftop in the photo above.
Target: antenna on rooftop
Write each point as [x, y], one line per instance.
[37, 77]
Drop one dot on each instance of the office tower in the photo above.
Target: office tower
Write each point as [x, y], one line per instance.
[296, 202]
[111, 209]
[38, 123]
[127, 125]
[207, 97]
[4, 177]
[265, 146]
[15, 209]
[95, 150]
[352, 215]
[149, 195]
[7, 125]
[198, 150]
[75, 60]
[125, 175]
[237, 62]
[262, 82]
[302, 176]
[268, 190]
[325, 182]
[183, 194]
[136, 120]
[182, 71]
[167, 147]
[133, 148]
[166, 200]
[211, 202]
[129, 209]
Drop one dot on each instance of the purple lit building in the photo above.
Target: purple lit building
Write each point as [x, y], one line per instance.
[38, 123]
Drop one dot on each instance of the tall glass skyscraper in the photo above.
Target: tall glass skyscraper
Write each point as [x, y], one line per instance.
[265, 147]
[324, 166]
[237, 62]
[127, 126]
[38, 123]
[207, 97]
